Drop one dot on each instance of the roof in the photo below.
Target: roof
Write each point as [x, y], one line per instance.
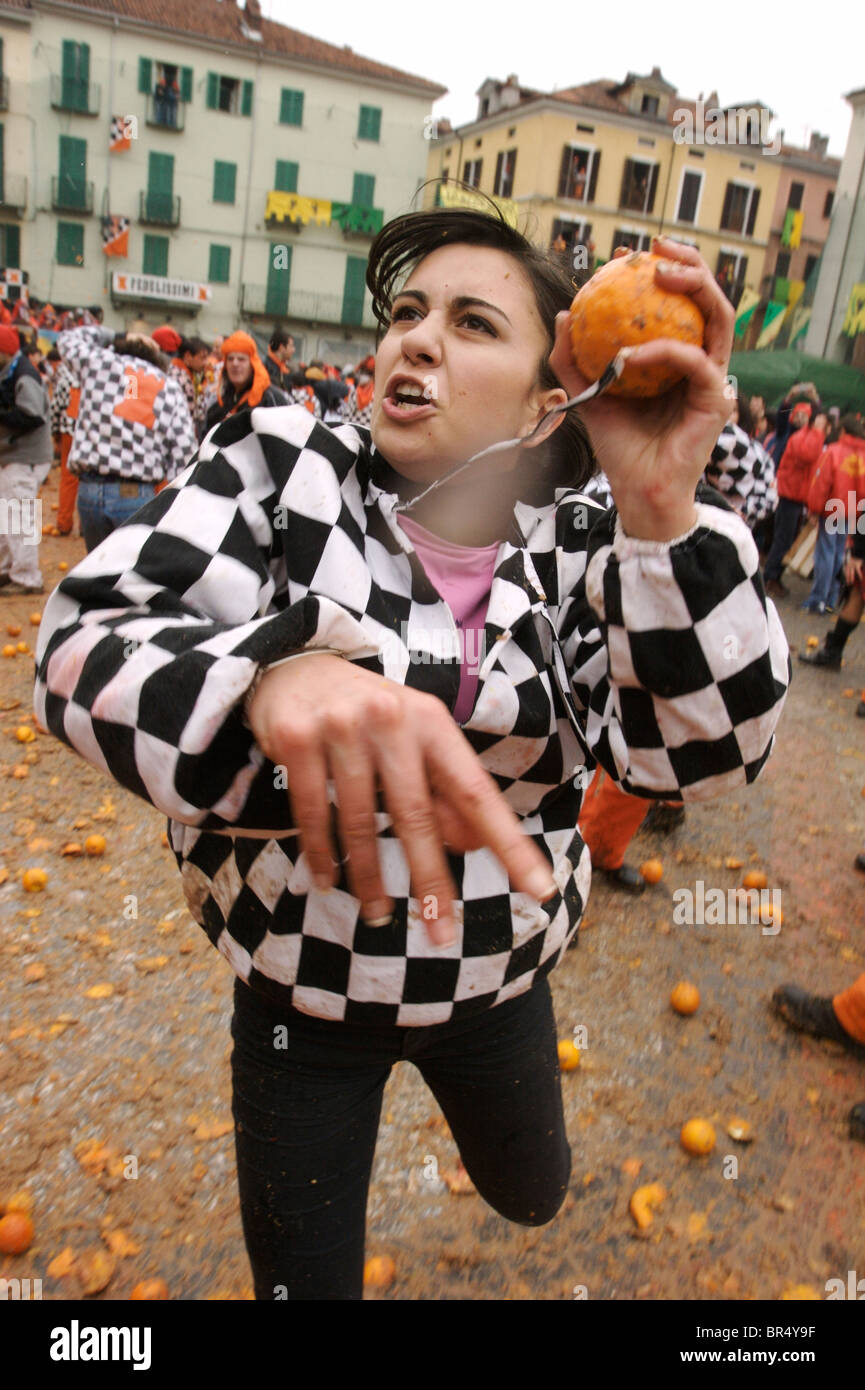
[224, 22]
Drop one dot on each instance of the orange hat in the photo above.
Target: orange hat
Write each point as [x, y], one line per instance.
[10, 343]
[242, 342]
[167, 338]
[239, 342]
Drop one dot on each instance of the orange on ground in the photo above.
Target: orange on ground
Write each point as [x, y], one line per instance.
[755, 878]
[8, 650]
[685, 998]
[35, 619]
[21, 1201]
[16, 1233]
[94, 844]
[379, 1272]
[14, 629]
[652, 870]
[21, 647]
[34, 880]
[149, 1290]
[697, 1137]
[62, 565]
[569, 1055]
[24, 733]
[645, 1200]
[623, 305]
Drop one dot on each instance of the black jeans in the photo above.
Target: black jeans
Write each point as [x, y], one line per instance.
[787, 518]
[307, 1097]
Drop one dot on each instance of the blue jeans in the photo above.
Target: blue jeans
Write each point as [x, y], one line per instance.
[787, 517]
[102, 506]
[828, 559]
[306, 1113]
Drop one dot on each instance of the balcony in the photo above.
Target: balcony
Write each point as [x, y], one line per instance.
[293, 211]
[13, 194]
[4, 93]
[306, 305]
[71, 94]
[165, 113]
[71, 195]
[158, 209]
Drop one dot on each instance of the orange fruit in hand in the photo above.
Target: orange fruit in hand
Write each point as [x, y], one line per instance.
[697, 1137]
[622, 305]
[652, 870]
[685, 998]
[16, 1233]
[379, 1272]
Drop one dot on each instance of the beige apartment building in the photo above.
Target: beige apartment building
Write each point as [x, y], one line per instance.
[247, 165]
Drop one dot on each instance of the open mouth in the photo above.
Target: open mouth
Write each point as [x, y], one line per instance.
[407, 395]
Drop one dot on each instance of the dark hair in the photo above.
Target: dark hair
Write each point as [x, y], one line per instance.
[193, 345]
[280, 337]
[297, 379]
[53, 355]
[851, 424]
[746, 419]
[124, 348]
[771, 419]
[403, 243]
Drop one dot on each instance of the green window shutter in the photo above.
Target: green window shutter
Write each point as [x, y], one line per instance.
[160, 186]
[72, 179]
[145, 76]
[246, 101]
[213, 90]
[286, 176]
[155, 260]
[75, 75]
[353, 290]
[278, 279]
[12, 255]
[70, 243]
[219, 269]
[224, 181]
[363, 190]
[3, 167]
[186, 84]
[291, 107]
[369, 124]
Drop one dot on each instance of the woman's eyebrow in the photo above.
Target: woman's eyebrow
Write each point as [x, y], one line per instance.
[463, 301]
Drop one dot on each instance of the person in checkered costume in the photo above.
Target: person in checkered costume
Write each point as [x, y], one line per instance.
[262, 654]
[744, 473]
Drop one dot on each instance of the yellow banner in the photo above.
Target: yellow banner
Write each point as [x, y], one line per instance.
[796, 232]
[854, 319]
[453, 197]
[290, 207]
[797, 289]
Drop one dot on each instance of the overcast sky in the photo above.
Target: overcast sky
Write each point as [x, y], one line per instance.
[799, 58]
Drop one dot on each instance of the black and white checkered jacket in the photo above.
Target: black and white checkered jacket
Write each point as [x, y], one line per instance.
[664, 662]
[744, 473]
[133, 420]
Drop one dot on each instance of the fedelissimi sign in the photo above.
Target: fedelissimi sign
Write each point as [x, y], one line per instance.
[159, 287]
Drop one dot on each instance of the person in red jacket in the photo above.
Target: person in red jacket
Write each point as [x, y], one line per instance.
[791, 483]
[837, 498]
[830, 653]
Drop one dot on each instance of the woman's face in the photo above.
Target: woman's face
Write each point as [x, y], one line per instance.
[238, 368]
[464, 345]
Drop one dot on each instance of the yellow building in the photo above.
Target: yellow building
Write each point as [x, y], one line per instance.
[608, 164]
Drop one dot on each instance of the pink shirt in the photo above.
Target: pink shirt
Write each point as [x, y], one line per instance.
[463, 575]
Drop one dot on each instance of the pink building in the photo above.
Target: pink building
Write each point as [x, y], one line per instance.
[806, 186]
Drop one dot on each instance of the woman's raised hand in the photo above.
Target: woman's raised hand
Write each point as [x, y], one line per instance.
[654, 450]
[329, 719]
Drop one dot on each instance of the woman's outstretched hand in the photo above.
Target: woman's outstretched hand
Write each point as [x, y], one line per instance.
[654, 450]
[325, 718]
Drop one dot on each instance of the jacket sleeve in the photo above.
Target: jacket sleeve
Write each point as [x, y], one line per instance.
[678, 663]
[147, 648]
[183, 443]
[821, 487]
[82, 348]
[28, 412]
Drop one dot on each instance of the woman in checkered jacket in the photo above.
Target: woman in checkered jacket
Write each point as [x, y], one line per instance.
[383, 841]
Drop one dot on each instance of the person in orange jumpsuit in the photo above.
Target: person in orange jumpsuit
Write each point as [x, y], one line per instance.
[840, 1017]
[609, 820]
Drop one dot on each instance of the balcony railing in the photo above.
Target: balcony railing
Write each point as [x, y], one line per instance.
[71, 94]
[71, 195]
[159, 209]
[302, 304]
[4, 93]
[165, 112]
[13, 192]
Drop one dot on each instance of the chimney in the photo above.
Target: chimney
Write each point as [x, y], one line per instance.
[510, 92]
[819, 144]
[253, 15]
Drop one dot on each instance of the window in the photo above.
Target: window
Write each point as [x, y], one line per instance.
[637, 241]
[220, 264]
[827, 206]
[446, 173]
[10, 245]
[72, 180]
[285, 179]
[291, 107]
[369, 123]
[730, 274]
[739, 212]
[160, 187]
[572, 233]
[155, 259]
[363, 190]
[75, 76]
[794, 199]
[782, 265]
[485, 106]
[649, 105]
[229, 94]
[506, 163]
[639, 182]
[353, 289]
[811, 263]
[151, 75]
[278, 280]
[472, 172]
[70, 243]
[689, 195]
[224, 181]
[578, 175]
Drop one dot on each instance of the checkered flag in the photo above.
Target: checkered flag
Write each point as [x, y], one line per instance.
[115, 236]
